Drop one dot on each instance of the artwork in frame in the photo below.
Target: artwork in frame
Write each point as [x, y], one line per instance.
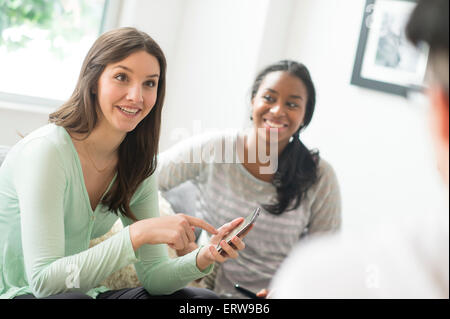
[385, 60]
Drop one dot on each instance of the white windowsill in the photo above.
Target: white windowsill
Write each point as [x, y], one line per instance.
[29, 108]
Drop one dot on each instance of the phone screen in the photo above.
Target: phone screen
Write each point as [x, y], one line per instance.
[241, 228]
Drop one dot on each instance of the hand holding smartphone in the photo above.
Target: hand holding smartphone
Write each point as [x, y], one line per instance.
[241, 229]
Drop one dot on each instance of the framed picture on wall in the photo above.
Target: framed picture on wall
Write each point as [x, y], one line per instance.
[385, 60]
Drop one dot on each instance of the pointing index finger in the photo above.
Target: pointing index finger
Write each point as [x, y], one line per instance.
[194, 221]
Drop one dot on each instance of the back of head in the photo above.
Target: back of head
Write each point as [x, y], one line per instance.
[429, 24]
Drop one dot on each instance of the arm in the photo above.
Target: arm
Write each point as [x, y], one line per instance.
[188, 159]
[326, 206]
[40, 181]
[176, 165]
[159, 274]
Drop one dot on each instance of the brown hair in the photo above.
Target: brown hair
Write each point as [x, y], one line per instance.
[79, 113]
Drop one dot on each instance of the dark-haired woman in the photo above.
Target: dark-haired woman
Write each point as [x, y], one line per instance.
[297, 189]
[68, 182]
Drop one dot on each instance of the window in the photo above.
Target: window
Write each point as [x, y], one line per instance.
[43, 44]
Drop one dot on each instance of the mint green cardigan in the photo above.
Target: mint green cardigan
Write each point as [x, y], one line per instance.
[46, 224]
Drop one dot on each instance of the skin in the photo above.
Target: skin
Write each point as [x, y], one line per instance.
[132, 84]
[439, 120]
[281, 99]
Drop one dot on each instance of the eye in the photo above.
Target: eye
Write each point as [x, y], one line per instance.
[121, 77]
[268, 98]
[292, 105]
[150, 83]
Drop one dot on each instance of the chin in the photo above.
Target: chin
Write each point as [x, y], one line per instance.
[266, 137]
[125, 128]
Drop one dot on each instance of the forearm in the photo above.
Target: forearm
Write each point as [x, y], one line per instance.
[175, 166]
[166, 275]
[137, 235]
[83, 271]
[203, 260]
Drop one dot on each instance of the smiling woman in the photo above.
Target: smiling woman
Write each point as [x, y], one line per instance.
[97, 160]
[126, 94]
[93, 115]
[300, 197]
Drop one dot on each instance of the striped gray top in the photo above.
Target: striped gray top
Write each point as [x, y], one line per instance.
[228, 191]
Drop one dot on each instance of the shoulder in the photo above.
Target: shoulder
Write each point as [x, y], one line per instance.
[376, 262]
[145, 190]
[212, 137]
[325, 170]
[327, 180]
[216, 140]
[47, 142]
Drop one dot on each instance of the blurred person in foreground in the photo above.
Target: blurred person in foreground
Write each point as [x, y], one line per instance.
[409, 259]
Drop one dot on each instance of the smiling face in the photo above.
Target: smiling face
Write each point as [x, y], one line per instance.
[279, 104]
[127, 91]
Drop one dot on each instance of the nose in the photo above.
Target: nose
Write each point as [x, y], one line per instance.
[277, 110]
[135, 94]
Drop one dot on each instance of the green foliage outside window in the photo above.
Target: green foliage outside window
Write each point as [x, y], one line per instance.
[61, 20]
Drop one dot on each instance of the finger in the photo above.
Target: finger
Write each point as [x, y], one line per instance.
[185, 239]
[247, 231]
[215, 254]
[189, 232]
[238, 243]
[194, 221]
[262, 293]
[229, 250]
[236, 222]
[178, 243]
[179, 239]
[228, 227]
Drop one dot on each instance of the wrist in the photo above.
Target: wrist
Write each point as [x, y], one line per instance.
[137, 235]
[203, 259]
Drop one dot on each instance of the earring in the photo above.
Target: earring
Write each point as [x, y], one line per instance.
[291, 139]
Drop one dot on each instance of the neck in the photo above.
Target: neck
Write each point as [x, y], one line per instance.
[101, 142]
[104, 144]
[255, 143]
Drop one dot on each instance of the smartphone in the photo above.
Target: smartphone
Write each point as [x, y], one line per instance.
[241, 229]
[246, 292]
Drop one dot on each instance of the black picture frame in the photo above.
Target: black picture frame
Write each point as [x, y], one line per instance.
[375, 84]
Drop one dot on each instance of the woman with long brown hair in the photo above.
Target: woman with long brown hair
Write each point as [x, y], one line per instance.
[69, 181]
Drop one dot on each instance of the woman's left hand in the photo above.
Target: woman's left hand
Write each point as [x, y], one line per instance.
[209, 254]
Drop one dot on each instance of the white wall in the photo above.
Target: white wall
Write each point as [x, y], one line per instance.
[378, 143]
[15, 123]
[214, 60]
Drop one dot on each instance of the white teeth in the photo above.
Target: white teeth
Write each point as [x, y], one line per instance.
[274, 125]
[129, 111]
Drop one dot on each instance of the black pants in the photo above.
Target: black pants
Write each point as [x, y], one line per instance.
[135, 293]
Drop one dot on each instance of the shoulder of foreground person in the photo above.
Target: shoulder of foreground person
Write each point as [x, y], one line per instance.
[407, 258]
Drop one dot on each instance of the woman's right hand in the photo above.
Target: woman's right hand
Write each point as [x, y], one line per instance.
[176, 231]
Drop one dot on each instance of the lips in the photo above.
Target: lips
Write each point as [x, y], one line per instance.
[275, 124]
[130, 111]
